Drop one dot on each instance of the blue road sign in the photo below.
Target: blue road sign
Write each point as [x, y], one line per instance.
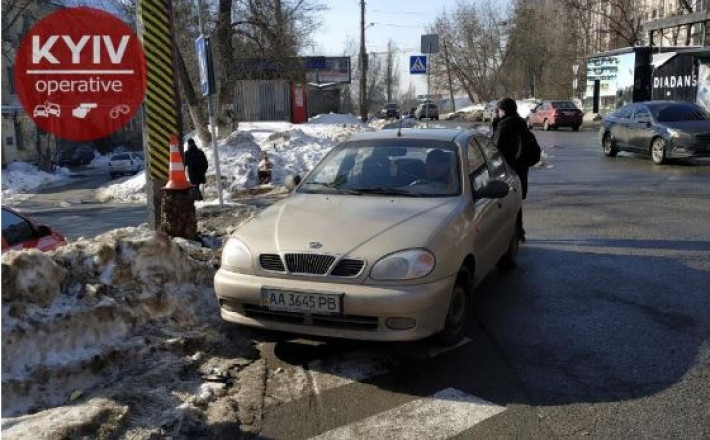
[204, 62]
[417, 64]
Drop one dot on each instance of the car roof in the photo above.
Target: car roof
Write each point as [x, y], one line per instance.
[435, 134]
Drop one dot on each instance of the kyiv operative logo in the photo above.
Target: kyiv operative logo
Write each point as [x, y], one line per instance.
[80, 73]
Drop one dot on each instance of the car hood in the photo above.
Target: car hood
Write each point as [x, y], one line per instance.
[689, 126]
[343, 223]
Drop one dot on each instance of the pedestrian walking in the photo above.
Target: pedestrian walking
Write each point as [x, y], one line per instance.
[265, 167]
[512, 137]
[196, 164]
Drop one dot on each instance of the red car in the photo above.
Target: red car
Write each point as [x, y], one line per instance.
[555, 114]
[19, 232]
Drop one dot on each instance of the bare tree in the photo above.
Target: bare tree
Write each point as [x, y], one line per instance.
[391, 72]
[621, 20]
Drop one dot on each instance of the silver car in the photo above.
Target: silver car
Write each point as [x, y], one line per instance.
[386, 239]
[430, 111]
[124, 163]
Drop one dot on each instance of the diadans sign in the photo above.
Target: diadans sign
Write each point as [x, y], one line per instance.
[80, 73]
[676, 79]
[672, 82]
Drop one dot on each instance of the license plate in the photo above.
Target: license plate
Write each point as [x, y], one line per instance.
[568, 113]
[301, 302]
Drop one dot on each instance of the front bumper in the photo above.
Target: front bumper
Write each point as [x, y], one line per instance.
[240, 301]
[687, 148]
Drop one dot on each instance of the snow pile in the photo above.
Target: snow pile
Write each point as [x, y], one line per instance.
[126, 189]
[470, 108]
[84, 303]
[126, 341]
[335, 118]
[239, 156]
[22, 177]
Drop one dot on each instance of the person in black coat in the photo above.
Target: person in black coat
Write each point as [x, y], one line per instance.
[196, 164]
[508, 137]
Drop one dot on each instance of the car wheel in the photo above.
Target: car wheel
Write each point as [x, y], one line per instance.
[510, 258]
[608, 146]
[546, 125]
[575, 128]
[658, 151]
[457, 315]
[112, 175]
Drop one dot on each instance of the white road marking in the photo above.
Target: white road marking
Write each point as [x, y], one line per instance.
[440, 416]
[324, 374]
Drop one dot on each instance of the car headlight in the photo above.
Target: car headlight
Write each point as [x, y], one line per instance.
[404, 265]
[678, 134]
[236, 256]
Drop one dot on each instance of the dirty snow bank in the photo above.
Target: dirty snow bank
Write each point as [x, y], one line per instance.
[125, 189]
[126, 339]
[22, 177]
[335, 118]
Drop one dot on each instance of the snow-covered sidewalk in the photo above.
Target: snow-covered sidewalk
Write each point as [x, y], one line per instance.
[21, 178]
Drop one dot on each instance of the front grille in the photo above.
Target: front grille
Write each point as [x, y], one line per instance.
[347, 268]
[354, 322]
[271, 262]
[311, 264]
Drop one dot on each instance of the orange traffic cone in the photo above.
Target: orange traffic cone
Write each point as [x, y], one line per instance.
[176, 174]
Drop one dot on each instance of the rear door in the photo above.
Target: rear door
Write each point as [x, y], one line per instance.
[620, 125]
[639, 129]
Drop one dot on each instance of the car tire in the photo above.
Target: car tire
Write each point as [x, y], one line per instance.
[509, 260]
[658, 151]
[112, 175]
[459, 310]
[608, 146]
[575, 128]
[546, 125]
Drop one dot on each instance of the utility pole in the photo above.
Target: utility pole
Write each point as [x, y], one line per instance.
[428, 76]
[448, 73]
[213, 123]
[363, 65]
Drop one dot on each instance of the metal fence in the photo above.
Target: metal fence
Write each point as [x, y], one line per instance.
[262, 101]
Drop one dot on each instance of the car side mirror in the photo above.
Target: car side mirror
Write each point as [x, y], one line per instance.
[43, 231]
[292, 181]
[495, 189]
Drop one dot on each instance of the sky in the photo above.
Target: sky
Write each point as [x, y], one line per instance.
[403, 21]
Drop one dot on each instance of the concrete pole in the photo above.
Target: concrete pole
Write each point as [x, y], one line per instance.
[363, 65]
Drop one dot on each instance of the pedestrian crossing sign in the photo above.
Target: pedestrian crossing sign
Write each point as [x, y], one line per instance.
[417, 64]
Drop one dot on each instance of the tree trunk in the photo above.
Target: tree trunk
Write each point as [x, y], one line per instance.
[224, 66]
[198, 118]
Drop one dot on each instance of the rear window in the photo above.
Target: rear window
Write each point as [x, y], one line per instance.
[564, 105]
[391, 106]
[679, 112]
[120, 157]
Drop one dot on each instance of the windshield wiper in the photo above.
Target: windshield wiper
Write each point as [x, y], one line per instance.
[335, 187]
[388, 192]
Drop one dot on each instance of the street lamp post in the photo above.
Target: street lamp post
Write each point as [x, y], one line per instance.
[363, 65]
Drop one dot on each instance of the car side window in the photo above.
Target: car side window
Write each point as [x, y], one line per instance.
[496, 165]
[16, 229]
[641, 113]
[624, 112]
[477, 166]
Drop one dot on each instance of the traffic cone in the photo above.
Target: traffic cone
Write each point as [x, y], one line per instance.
[176, 174]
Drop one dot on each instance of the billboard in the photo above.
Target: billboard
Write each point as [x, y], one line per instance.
[619, 79]
[336, 70]
[675, 79]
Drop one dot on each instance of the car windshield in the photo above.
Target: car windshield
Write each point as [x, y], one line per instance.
[564, 105]
[388, 167]
[679, 112]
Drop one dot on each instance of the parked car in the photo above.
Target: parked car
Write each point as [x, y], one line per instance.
[555, 114]
[428, 213]
[390, 110]
[661, 129]
[428, 110]
[75, 155]
[19, 232]
[124, 163]
[409, 113]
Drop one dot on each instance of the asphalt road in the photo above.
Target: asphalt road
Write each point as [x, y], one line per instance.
[601, 331]
[71, 208]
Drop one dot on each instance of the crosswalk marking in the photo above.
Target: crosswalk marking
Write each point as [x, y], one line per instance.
[340, 370]
[439, 416]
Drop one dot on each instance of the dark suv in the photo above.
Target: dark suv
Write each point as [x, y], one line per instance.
[75, 155]
[390, 110]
